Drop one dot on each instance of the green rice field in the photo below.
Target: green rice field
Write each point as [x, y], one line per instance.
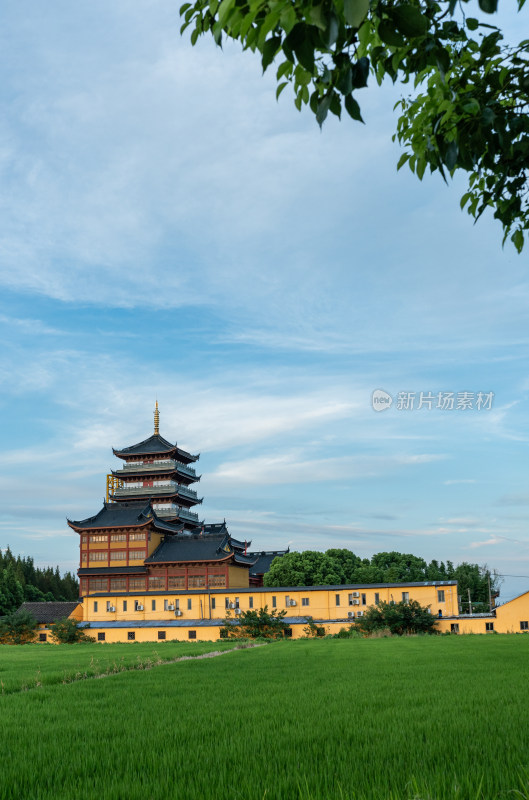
[418, 718]
[38, 665]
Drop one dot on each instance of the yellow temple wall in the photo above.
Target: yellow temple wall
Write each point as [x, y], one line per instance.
[325, 605]
[181, 634]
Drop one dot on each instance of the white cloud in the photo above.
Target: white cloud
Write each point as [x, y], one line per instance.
[294, 467]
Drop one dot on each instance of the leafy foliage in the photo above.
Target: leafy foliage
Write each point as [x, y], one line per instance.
[262, 624]
[66, 631]
[469, 110]
[17, 628]
[21, 581]
[338, 567]
[312, 630]
[398, 618]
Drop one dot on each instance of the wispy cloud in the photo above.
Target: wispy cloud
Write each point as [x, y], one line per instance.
[291, 468]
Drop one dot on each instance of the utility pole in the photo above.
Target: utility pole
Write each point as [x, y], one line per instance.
[469, 603]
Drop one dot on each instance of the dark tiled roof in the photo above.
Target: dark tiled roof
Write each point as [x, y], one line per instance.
[157, 494]
[152, 623]
[240, 545]
[152, 473]
[189, 548]
[345, 586]
[117, 514]
[196, 547]
[256, 590]
[191, 623]
[240, 558]
[183, 455]
[49, 612]
[264, 560]
[216, 528]
[126, 515]
[111, 570]
[155, 444]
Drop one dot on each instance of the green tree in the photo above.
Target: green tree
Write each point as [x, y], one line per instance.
[469, 108]
[17, 628]
[66, 631]
[475, 578]
[399, 618]
[399, 567]
[47, 581]
[32, 594]
[313, 568]
[255, 624]
[11, 591]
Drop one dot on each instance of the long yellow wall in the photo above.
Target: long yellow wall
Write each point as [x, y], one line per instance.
[319, 603]
[468, 625]
[329, 608]
[201, 634]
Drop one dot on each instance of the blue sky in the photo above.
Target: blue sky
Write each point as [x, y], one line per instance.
[168, 230]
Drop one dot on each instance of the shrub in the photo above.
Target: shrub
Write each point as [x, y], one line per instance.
[66, 631]
[399, 618]
[254, 625]
[312, 630]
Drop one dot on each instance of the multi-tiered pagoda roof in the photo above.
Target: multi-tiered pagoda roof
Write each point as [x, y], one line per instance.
[156, 445]
[147, 538]
[159, 471]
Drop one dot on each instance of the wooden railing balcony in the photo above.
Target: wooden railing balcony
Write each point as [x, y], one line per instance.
[159, 465]
[176, 511]
[165, 488]
[135, 467]
[126, 491]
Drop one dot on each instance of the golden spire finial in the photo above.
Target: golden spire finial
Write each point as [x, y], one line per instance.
[156, 420]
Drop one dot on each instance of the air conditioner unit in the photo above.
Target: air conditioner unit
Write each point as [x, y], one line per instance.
[140, 607]
[359, 613]
[351, 614]
[293, 602]
[356, 594]
[178, 613]
[112, 608]
[170, 607]
[232, 605]
[238, 611]
[356, 602]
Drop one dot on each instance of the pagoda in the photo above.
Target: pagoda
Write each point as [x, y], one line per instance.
[146, 538]
[160, 472]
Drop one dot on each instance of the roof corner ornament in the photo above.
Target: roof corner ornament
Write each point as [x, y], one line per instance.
[156, 420]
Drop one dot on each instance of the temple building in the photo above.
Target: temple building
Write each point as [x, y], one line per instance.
[151, 569]
[145, 538]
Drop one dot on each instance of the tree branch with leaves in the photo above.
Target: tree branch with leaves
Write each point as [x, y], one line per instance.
[468, 107]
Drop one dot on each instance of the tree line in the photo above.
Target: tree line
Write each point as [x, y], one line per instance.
[341, 566]
[21, 581]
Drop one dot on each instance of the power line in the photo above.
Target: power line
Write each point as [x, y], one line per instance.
[500, 575]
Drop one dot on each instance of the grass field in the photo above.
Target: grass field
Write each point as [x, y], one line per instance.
[37, 665]
[422, 718]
